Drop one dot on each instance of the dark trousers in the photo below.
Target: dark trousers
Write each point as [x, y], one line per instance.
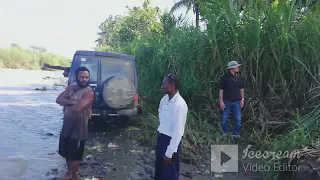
[166, 171]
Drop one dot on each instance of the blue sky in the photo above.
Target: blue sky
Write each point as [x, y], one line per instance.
[61, 26]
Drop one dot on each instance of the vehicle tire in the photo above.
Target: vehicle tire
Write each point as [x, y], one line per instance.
[118, 92]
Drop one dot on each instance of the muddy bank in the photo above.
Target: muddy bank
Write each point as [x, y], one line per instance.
[111, 154]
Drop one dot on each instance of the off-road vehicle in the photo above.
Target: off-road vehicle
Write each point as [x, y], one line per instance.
[113, 77]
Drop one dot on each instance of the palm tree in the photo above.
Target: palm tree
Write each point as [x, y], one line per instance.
[189, 4]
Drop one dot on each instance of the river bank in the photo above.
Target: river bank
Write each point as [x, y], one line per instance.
[111, 153]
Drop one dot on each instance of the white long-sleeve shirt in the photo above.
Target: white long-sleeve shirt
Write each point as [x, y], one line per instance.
[172, 117]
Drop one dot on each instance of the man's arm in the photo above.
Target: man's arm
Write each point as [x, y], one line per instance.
[221, 95]
[84, 102]
[242, 93]
[221, 87]
[63, 100]
[242, 89]
[180, 121]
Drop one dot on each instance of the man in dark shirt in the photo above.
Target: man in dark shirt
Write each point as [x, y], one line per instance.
[231, 97]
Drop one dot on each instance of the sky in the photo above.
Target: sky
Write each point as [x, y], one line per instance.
[60, 26]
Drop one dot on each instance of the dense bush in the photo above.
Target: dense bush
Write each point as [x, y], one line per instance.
[278, 45]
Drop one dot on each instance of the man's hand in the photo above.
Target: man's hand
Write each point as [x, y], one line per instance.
[87, 98]
[222, 105]
[74, 102]
[241, 103]
[166, 160]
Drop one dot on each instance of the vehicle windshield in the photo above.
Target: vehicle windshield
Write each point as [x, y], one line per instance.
[112, 67]
[92, 64]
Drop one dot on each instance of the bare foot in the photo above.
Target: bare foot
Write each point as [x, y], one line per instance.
[67, 176]
[75, 177]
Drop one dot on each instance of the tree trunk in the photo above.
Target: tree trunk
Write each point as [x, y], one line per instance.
[197, 14]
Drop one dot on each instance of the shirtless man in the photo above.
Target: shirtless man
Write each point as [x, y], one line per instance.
[77, 101]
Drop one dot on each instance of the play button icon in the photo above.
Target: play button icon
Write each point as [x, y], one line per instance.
[224, 158]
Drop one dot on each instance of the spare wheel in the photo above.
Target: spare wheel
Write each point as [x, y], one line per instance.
[118, 92]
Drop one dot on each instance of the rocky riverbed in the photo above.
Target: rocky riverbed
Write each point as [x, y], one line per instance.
[111, 154]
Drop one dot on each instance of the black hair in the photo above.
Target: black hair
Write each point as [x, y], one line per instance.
[172, 79]
[82, 68]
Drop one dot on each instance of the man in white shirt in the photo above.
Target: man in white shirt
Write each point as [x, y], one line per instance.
[172, 116]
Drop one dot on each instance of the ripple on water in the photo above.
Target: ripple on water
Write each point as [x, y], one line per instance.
[26, 118]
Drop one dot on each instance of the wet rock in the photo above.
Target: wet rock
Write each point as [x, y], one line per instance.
[90, 161]
[100, 158]
[84, 171]
[94, 163]
[83, 163]
[187, 174]
[41, 89]
[49, 134]
[147, 160]
[103, 172]
[107, 163]
[134, 176]
[54, 171]
[149, 170]
[140, 163]
[141, 174]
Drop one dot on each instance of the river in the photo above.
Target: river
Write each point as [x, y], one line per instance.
[30, 122]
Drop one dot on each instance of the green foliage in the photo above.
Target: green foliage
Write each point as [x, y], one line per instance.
[17, 57]
[277, 43]
[116, 32]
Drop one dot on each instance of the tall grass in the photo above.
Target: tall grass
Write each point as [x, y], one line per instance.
[19, 58]
[279, 49]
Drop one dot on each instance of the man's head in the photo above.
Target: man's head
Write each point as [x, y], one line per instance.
[170, 84]
[82, 77]
[233, 66]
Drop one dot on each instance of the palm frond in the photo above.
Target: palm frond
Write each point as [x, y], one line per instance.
[184, 3]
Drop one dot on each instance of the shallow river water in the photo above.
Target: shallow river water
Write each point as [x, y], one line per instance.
[30, 122]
